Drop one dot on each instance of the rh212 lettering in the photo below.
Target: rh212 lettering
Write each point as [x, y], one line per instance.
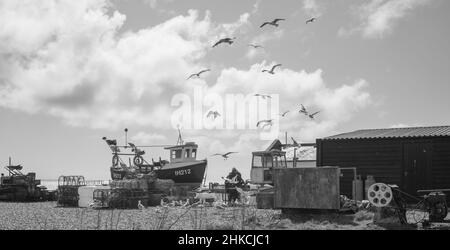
[183, 172]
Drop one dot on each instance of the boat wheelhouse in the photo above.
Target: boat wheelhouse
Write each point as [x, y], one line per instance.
[263, 164]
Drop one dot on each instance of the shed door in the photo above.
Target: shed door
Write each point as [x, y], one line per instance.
[416, 167]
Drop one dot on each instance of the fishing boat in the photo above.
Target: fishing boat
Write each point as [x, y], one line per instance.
[183, 166]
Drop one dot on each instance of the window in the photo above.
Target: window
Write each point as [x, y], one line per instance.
[176, 154]
[257, 161]
[187, 153]
[268, 160]
[268, 175]
[280, 162]
[194, 153]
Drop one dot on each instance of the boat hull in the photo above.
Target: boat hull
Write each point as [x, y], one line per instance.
[184, 173]
[181, 173]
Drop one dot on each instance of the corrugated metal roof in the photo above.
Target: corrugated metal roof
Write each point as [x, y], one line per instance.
[394, 133]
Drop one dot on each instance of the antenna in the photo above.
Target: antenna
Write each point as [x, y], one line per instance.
[126, 137]
[180, 138]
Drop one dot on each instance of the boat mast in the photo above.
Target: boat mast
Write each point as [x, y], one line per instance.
[180, 138]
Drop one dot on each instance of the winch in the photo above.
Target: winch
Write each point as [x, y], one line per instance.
[432, 207]
[435, 204]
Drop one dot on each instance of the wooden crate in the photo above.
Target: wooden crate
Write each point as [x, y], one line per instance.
[307, 188]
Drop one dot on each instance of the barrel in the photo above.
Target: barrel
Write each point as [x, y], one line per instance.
[358, 190]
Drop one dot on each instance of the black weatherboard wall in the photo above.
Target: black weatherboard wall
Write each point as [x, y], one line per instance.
[412, 158]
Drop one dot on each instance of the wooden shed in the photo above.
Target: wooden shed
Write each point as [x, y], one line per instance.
[412, 158]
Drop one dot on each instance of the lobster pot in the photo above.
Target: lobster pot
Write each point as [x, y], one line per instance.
[115, 184]
[142, 184]
[163, 186]
[86, 194]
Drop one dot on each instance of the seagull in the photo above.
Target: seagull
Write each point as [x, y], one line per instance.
[140, 206]
[228, 40]
[256, 46]
[312, 115]
[272, 71]
[163, 204]
[199, 73]
[266, 123]
[284, 114]
[273, 23]
[214, 114]
[263, 96]
[311, 20]
[295, 143]
[303, 110]
[225, 156]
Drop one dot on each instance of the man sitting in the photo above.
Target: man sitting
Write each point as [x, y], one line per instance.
[233, 180]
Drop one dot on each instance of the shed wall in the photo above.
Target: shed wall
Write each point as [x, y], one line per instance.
[385, 159]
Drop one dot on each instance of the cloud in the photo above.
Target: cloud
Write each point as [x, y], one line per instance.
[154, 3]
[263, 39]
[146, 138]
[402, 125]
[379, 17]
[255, 8]
[67, 58]
[299, 87]
[312, 8]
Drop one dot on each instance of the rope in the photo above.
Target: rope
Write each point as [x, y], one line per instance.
[411, 196]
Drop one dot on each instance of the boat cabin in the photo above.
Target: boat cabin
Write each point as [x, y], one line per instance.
[263, 163]
[183, 153]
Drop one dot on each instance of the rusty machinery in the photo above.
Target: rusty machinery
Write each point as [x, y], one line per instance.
[68, 190]
[431, 208]
[434, 205]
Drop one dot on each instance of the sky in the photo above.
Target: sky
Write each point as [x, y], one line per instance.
[72, 72]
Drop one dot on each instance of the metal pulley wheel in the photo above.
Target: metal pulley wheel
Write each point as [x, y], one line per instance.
[379, 195]
[138, 160]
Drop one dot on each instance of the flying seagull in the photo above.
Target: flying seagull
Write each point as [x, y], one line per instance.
[256, 46]
[265, 122]
[263, 96]
[312, 115]
[311, 20]
[303, 110]
[225, 156]
[228, 40]
[273, 23]
[272, 71]
[214, 114]
[140, 206]
[284, 114]
[199, 73]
